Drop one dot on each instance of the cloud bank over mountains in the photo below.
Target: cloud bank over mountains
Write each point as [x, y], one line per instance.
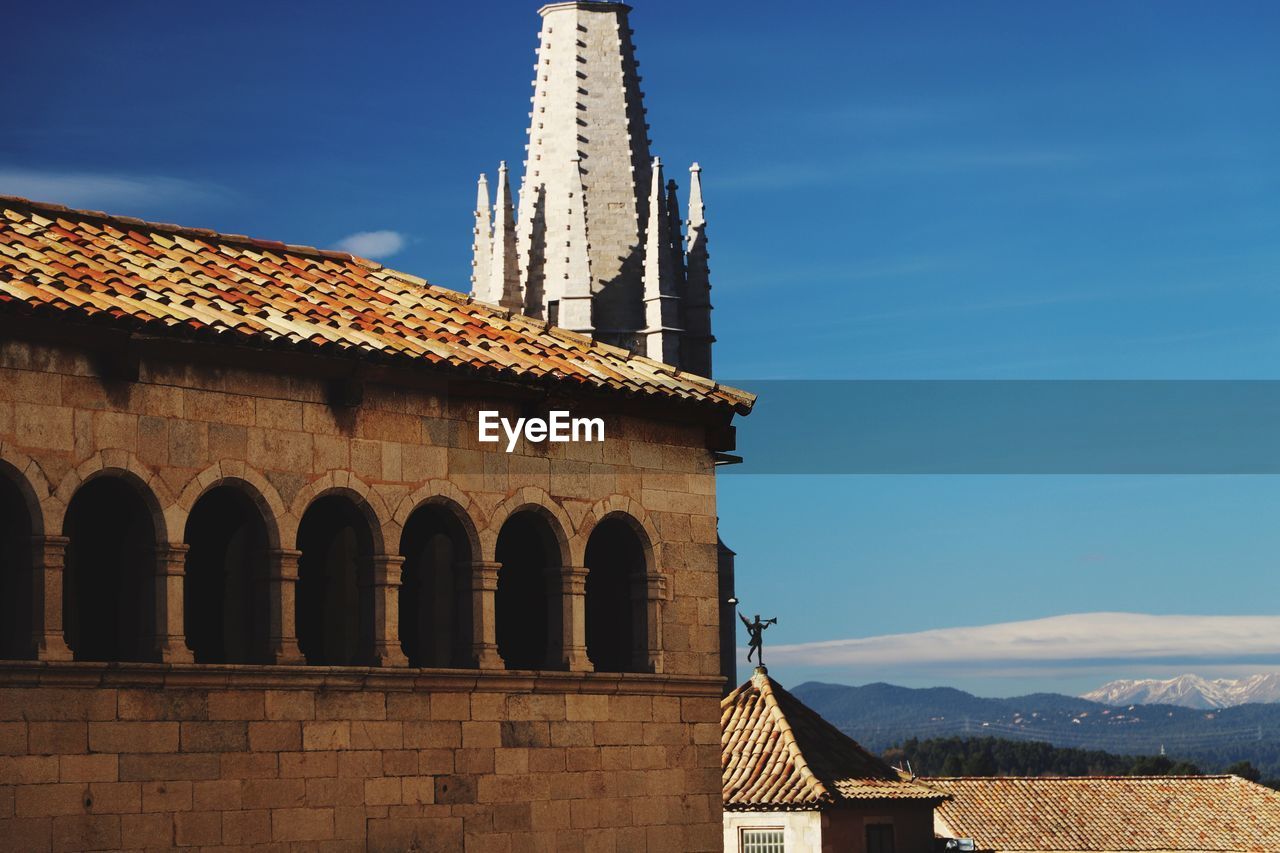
[1041, 647]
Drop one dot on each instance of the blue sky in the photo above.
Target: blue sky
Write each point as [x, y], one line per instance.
[987, 190]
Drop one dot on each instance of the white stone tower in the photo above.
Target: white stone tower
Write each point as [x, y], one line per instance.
[598, 244]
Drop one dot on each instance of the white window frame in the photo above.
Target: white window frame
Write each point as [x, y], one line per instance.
[742, 837]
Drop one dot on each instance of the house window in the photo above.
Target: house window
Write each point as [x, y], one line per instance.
[762, 841]
[553, 312]
[880, 838]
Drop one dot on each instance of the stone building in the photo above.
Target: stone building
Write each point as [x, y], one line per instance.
[263, 586]
[794, 783]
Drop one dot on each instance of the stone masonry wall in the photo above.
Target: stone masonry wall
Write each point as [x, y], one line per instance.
[169, 753]
[419, 768]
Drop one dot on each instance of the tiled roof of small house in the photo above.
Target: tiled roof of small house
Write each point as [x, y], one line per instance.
[1118, 813]
[159, 279]
[776, 754]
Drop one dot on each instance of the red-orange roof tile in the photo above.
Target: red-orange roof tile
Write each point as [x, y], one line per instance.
[166, 279]
[776, 753]
[1112, 813]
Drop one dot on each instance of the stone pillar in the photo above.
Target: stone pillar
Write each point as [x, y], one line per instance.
[282, 618]
[48, 561]
[648, 592]
[567, 622]
[169, 637]
[484, 625]
[382, 610]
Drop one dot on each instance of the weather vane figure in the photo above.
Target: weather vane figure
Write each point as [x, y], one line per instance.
[756, 631]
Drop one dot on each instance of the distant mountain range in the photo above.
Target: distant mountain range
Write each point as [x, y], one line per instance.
[1189, 691]
[882, 715]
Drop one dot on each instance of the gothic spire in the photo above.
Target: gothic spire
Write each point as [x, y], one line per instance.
[661, 336]
[504, 271]
[696, 305]
[481, 243]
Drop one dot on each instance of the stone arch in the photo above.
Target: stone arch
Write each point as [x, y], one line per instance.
[21, 519]
[448, 496]
[439, 544]
[29, 479]
[367, 501]
[628, 510]
[118, 463]
[237, 475]
[529, 498]
[111, 511]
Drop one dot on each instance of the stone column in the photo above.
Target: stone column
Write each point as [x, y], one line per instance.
[169, 638]
[568, 620]
[48, 561]
[383, 610]
[484, 624]
[648, 592]
[282, 618]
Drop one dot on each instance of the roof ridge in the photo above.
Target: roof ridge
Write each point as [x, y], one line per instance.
[189, 230]
[789, 738]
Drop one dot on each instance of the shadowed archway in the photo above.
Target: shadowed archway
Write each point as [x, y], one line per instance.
[435, 590]
[529, 552]
[615, 560]
[224, 597]
[336, 542]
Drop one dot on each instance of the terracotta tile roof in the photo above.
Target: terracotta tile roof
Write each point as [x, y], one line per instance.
[776, 753]
[1120, 813]
[169, 280]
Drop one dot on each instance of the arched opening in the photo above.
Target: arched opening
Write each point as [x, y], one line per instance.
[15, 571]
[615, 562]
[224, 607]
[435, 594]
[528, 550]
[109, 587]
[337, 545]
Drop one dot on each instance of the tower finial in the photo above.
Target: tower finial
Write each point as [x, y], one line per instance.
[504, 271]
[696, 305]
[574, 309]
[481, 243]
[661, 297]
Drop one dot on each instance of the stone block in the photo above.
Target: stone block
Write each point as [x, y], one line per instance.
[148, 830]
[302, 824]
[377, 734]
[88, 768]
[43, 427]
[236, 705]
[219, 795]
[151, 767]
[305, 764]
[275, 736]
[57, 738]
[86, 832]
[49, 800]
[166, 796]
[326, 734]
[290, 705]
[382, 791]
[215, 737]
[29, 769]
[133, 737]
[273, 793]
[246, 827]
[359, 765]
[114, 798]
[433, 734]
[350, 705]
[249, 765]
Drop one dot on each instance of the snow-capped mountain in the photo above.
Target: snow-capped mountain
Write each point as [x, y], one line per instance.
[1189, 691]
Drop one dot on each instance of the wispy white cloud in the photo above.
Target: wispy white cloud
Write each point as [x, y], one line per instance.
[1044, 644]
[372, 244]
[110, 191]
